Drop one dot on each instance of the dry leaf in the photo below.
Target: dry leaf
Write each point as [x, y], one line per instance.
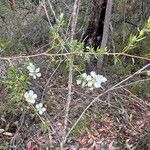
[103, 129]
[111, 147]
[84, 140]
[29, 145]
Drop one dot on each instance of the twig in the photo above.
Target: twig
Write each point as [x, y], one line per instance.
[131, 83]
[139, 99]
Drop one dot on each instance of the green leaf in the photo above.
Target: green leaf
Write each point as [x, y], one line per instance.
[4, 43]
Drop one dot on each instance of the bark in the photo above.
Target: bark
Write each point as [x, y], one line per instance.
[94, 31]
[96, 34]
[105, 31]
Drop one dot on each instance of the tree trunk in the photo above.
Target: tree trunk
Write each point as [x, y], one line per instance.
[105, 31]
[94, 31]
[98, 26]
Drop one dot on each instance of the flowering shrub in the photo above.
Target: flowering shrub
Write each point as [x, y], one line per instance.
[16, 82]
[30, 96]
[91, 81]
[33, 71]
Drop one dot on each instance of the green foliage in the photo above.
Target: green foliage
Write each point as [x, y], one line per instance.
[4, 10]
[134, 39]
[122, 68]
[137, 45]
[4, 147]
[141, 89]
[80, 128]
[16, 83]
[4, 45]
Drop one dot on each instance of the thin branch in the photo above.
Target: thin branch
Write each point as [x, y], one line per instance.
[132, 83]
[69, 97]
[72, 53]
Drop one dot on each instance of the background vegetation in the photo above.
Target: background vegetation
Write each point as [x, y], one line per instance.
[51, 35]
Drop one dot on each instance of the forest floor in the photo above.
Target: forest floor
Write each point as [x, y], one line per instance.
[118, 120]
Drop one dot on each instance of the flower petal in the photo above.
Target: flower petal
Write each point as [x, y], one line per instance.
[34, 76]
[43, 109]
[41, 105]
[38, 74]
[30, 67]
[32, 101]
[84, 75]
[40, 112]
[89, 84]
[31, 74]
[93, 74]
[97, 85]
[26, 94]
[37, 69]
[83, 84]
[101, 78]
[37, 106]
[88, 78]
[78, 82]
[30, 92]
[34, 96]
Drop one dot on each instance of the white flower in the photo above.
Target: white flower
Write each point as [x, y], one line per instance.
[84, 75]
[30, 96]
[93, 74]
[88, 78]
[79, 82]
[91, 81]
[40, 108]
[34, 72]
